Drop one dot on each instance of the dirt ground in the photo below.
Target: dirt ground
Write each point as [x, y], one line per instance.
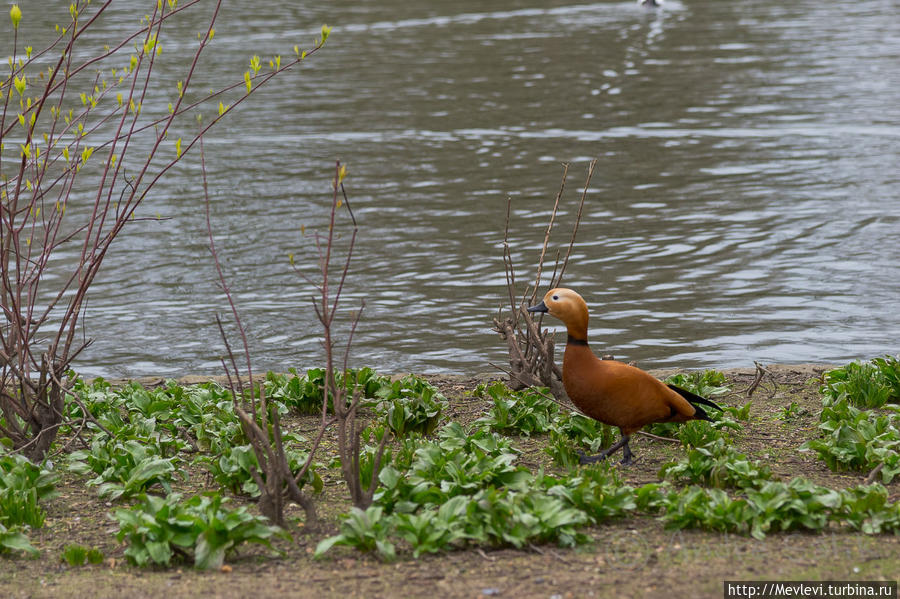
[629, 558]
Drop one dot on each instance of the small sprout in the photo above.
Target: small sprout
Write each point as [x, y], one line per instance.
[20, 85]
[247, 81]
[178, 147]
[212, 33]
[326, 31]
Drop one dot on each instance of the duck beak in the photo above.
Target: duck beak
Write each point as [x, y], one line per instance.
[541, 307]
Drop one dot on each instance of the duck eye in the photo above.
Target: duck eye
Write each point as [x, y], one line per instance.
[555, 298]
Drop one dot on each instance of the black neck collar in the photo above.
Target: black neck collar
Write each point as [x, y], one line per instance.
[570, 340]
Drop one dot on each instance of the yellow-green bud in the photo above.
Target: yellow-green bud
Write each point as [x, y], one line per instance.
[15, 14]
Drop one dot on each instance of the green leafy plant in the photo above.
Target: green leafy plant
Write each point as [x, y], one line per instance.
[20, 507]
[23, 485]
[572, 434]
[232, 469]
[408, 405]
[78, 555]
[778, 506]
[792, 411]
[531, 412]
[707, 383]
[458, 463]
[798, 505]
[854, 439]
[13, 539]
[525, 412]
[199, 530]
[502, 516]
[562, 450]
[596, 491]
[697, 433]
[718, 465]
[712, 509]
[366, 530]
[96, 400]
[301, 393]
[123, 468]
[867, 508]
[738, 412]
[434, 528]
[864, 384]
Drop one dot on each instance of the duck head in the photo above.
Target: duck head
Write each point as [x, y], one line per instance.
[567, 306]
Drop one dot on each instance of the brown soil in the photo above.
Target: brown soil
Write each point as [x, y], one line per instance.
[633, 557]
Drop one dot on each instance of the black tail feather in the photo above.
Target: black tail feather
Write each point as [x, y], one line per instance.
[695, 400]
[700, 413]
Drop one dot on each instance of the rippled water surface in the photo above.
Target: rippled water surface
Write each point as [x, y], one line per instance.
[746, 203]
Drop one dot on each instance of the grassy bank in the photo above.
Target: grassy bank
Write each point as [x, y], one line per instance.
[649, 527]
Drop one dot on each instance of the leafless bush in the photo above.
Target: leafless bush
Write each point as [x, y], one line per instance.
[259, 419]
[346, 404]
[531, 350]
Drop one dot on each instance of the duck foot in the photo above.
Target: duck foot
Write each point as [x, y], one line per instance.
[583, 458]
[627, 456]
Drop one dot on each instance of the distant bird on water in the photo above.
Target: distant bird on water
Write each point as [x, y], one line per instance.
[650, 3]
[613, 392]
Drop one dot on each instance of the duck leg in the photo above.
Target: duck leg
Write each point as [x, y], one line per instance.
[620, 444]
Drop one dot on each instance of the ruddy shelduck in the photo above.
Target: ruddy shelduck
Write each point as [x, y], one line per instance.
[613, 392]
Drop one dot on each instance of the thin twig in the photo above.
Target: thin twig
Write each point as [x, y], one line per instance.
[540, 267]
[658, 438]
[874, 474]
[584, 191]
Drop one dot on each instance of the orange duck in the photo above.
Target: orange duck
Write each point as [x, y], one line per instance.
[613, 392]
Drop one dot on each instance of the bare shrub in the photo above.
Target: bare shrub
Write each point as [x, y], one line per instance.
[531, 350]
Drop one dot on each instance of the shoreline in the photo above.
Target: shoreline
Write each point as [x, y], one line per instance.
[810, 369]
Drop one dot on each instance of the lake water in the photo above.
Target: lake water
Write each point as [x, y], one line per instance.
[745, 206]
